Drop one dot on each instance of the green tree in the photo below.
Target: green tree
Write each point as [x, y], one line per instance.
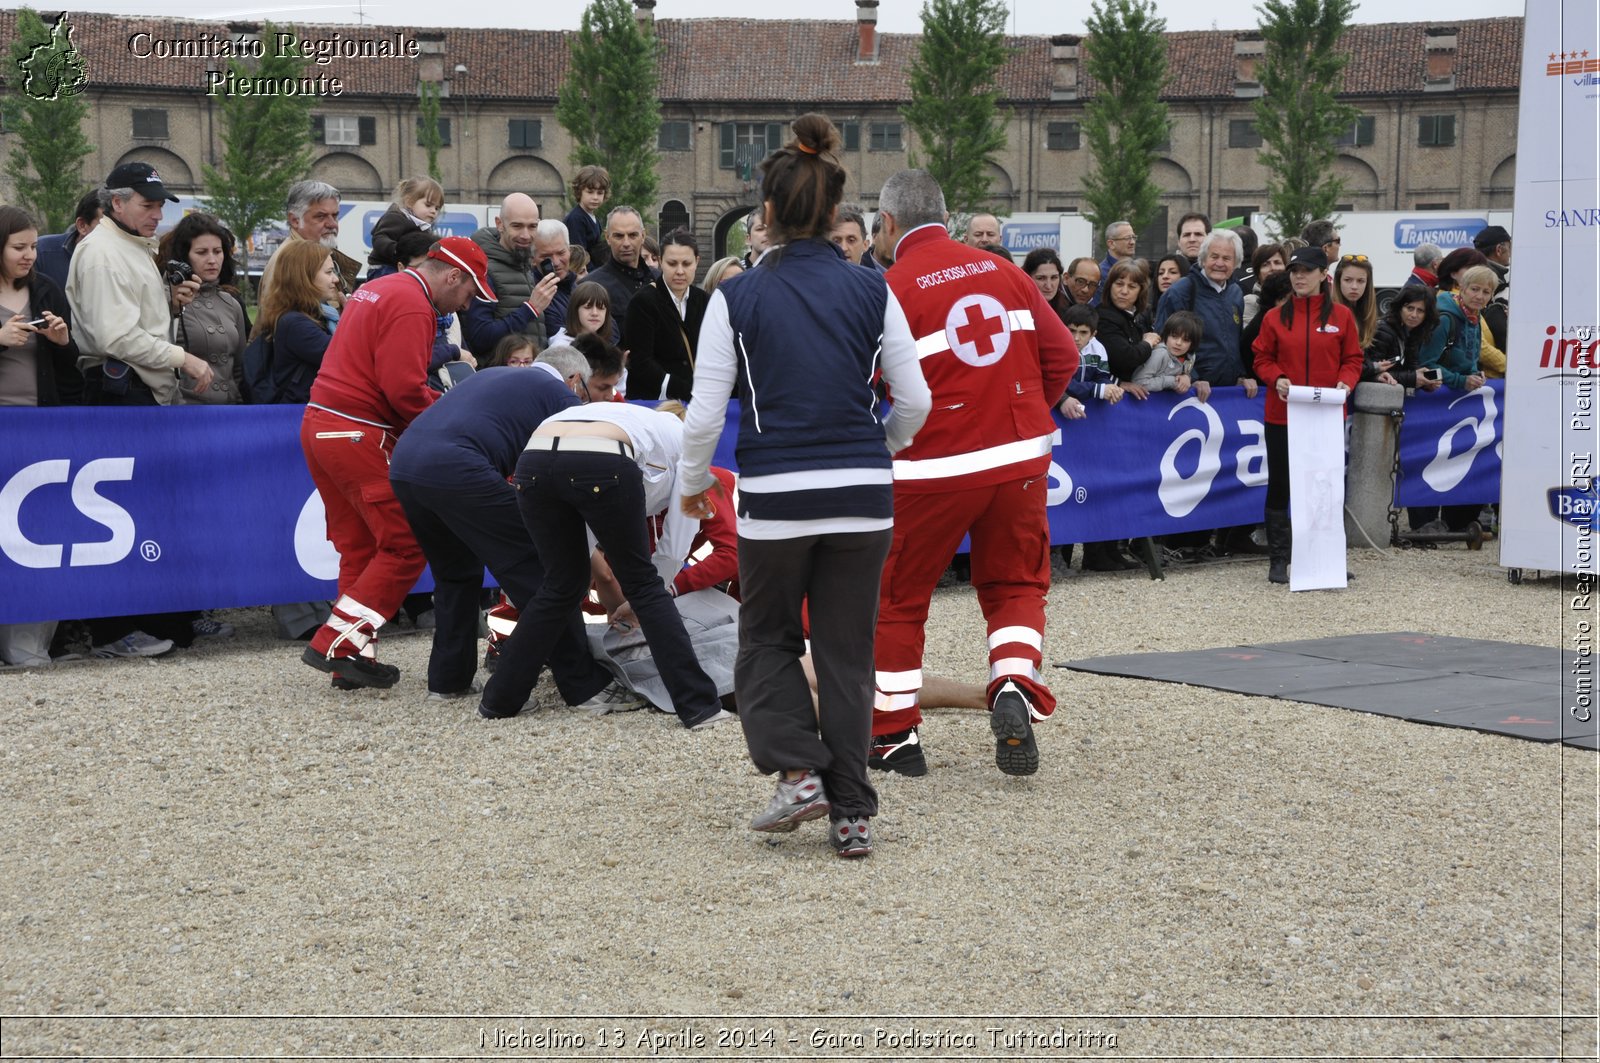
[266, 145]
[1126, 122]
[1298, 114]
[609, 102]
[428, 125]
[955, 104]
[45, 109]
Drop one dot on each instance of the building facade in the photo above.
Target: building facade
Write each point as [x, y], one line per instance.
[1438, 106]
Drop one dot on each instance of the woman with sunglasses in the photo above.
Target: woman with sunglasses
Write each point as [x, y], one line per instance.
[1352, 287]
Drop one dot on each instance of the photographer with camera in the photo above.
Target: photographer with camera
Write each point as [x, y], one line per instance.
[211, 321]
[120, 306]
[541, 282]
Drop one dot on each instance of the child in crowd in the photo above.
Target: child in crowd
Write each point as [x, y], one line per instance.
[589, 310]
[590, 187]
[650, 253]
[517, 349]
[417, 202]
[1170, 363]
[1093, 380]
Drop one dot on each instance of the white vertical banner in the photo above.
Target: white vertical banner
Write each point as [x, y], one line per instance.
[1548, 485]
[1316, 487]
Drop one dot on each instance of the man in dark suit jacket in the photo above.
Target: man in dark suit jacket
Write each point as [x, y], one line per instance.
[55, 251]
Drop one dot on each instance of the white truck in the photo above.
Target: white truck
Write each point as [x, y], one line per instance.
[356, 219]
[1389, 238]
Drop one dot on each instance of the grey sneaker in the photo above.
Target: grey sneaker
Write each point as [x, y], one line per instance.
[614, 698]
[207, 628]
[1015, 751]
[796, 801]
[135, 644]
[436, 695]
[850, 837]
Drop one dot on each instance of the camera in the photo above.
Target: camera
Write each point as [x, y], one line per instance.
[178, 272]
[547, 265]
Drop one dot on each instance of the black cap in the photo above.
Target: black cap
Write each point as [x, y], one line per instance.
[1491, 238]
[142, 178]
[1309, 258]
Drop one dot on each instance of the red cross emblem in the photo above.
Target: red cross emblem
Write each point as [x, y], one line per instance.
[978, 330]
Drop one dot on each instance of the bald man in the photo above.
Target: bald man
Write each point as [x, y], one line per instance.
[982, 230]
[509, 247]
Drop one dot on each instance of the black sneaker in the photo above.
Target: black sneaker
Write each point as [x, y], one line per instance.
[354, 669]
[900, 752]
[1015, 751]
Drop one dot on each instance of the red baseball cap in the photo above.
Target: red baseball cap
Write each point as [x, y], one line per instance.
[462, 253]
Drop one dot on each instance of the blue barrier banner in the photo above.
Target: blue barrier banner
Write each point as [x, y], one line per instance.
[1169, 464]
[109, 511]
[1450, 447]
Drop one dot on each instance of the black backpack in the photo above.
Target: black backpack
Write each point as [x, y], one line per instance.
[257, 357]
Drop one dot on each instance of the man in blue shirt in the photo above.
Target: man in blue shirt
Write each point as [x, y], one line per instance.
[449, 471]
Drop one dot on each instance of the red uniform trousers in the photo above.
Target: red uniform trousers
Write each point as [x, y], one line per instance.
[379, 559]
[1010, 572]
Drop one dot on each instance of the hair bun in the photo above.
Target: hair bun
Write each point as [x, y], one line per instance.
[814, 134]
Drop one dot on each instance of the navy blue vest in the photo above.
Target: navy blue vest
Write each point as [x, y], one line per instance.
[807, 333]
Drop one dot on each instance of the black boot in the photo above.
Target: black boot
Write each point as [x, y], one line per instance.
[1279, 545]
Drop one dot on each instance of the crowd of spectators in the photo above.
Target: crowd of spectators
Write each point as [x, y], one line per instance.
[165, 322]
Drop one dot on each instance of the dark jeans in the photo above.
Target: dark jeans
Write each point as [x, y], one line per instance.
[462, 530]
[559, 492]
[836, 577]
[137, 393]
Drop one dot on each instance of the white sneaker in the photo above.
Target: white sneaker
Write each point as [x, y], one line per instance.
[614, 698]
[711, 721]
[135, 644]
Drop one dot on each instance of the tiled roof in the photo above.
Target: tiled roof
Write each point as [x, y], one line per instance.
[790, 60]
[784, 61]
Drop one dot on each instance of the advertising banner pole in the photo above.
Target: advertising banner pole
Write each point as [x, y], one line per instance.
[1548, 490]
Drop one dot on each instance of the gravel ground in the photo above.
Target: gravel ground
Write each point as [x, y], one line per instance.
[197, 847]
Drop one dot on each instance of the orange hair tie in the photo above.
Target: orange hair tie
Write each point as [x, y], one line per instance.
[802, 147]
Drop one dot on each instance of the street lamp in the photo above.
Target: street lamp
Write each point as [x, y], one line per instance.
[461, 141]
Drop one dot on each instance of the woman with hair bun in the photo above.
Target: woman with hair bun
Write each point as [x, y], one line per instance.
[816, 499]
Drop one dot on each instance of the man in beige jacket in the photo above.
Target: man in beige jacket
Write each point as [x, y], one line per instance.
[121, 310]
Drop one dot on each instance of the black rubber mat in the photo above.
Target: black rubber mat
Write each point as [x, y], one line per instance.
[1532, 692]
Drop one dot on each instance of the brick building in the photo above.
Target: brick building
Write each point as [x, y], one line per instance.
[1438, 102]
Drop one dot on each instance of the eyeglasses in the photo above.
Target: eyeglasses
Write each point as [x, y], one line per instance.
[1085, 282]
[1126, 238]
[1352, 258]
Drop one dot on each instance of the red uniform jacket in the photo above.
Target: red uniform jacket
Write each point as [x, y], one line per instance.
[1308, 352]
[376, 366]
[995, 356]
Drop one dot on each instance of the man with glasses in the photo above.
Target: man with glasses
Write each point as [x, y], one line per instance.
[1121, 241]
[449, 472]
[1082, 280]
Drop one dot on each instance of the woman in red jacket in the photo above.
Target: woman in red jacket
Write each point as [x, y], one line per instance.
[1309, 341]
